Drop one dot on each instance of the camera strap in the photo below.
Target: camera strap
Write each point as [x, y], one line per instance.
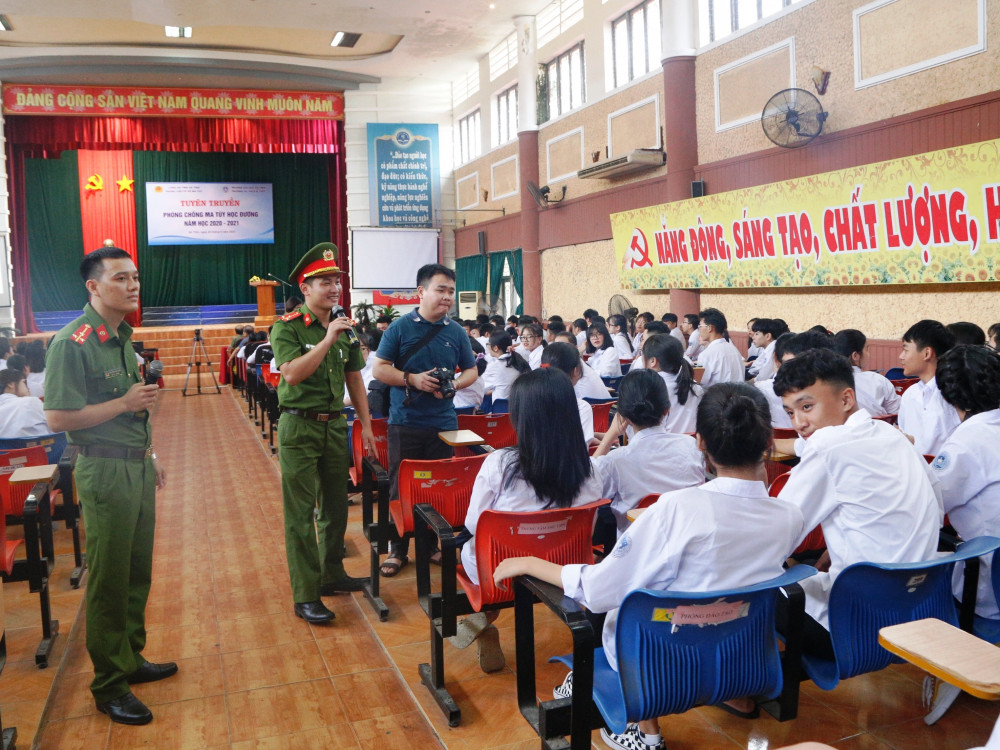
[434, 331]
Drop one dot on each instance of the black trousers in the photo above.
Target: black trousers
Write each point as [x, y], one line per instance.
[414, 443]
[815, 638]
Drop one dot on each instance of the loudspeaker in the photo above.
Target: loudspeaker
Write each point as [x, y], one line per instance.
[697, 188]
[482, 242]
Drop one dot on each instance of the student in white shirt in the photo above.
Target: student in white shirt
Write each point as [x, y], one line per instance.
[785, 347]
[618, 328]
[722, 361]
[640, 326]
[504, 366]
[753, 351]
[564, 357]
[589, 383]
[924, 416]
[689, 328]
[34, 353]
[858, 478]
[533, 344]
[724, 534]
[21, 414]
[876, 395]
[654, 460]
[603, 356]
[664, 355]
[473, 395]
[579, 329]
[652, 329]
[765, 332]
[670, 321]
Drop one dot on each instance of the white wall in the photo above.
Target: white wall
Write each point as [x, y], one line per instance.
[392, 101]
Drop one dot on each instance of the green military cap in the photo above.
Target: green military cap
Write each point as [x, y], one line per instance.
[319, 261]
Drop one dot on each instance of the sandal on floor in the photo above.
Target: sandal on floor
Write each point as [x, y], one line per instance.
[392, 566]
[741, 714]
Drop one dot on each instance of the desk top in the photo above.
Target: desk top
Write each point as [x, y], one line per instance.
[779, 456]
[34, 474]
[459, 438]
[635, 513]
[955, 656]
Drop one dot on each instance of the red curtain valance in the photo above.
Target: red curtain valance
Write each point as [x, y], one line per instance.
[47, 137]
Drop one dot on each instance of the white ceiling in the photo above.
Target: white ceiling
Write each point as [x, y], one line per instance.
[423, 44]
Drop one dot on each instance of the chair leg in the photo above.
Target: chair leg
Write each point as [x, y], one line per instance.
[50, 628]
[432, 675]
[38, 582]
[372, 589]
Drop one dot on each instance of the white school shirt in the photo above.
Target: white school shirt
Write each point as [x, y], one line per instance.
[367, 374]
[876, 395]
[637, 342]
[499, 377]
[605, 361]
[682, 417]
[470, 396]
[534, 357]
[678, 334]
[723, 363]
[968, 472]
[36, 384]
[753, 350]
[488, 493]
[581, 340]
[620, 341]
[872, 493]
[586, 420]
[779, 418]
[724, 534]
[653, 461]
[694, 346]
[637, 363]
[3, 364]
[762, 368]
[924, 414]
[22, 416]
[591, 385]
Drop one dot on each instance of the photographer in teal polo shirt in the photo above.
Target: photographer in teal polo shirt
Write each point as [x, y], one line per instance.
[416, 354]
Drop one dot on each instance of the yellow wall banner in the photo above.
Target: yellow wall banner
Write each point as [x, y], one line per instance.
[930, 218]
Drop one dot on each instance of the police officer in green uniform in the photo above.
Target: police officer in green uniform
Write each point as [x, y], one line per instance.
[317, 359]
[93, 391]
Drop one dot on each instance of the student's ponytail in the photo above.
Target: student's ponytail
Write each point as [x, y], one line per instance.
[669, 355]
[501, 340]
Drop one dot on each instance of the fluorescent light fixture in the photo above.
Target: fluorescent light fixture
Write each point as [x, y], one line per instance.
[5, 24]
[177, 32]
[345, 39]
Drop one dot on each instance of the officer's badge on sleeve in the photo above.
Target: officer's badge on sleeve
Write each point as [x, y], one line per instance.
[80, 334]
[941, 462]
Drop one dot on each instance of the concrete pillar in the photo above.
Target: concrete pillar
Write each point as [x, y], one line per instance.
[527, 136]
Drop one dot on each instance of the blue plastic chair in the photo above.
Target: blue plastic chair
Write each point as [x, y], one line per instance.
[487, 406]
[984, 627]
[667, 668]
[500, 406]
[465, 410]
[894, 373]
[612, 383]
[869, 596]
[54, 444]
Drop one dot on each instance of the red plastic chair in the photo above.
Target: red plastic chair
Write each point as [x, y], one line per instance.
[8, 548]
[11, 461]
[380, 427]
[887, 418]
[445, 485]
[775, 470]
[649, 500]
[815, 540]
[602, 415]
[496, 429]
[902, 385]
[784, 433]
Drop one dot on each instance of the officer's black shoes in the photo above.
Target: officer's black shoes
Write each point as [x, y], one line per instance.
[150, 672]
[126, 710]
[314, 612]
[344, 586]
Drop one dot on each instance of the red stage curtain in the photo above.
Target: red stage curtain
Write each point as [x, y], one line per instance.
[30, 136]
[108, 213]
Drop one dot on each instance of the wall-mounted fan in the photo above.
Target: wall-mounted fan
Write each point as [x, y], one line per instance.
[619, 304]
[792, 118]
[543, 195]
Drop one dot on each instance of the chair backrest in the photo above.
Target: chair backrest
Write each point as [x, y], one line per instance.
[669, 660]
[10, 461]
[902, 384]
[785, 433]
[380, 428]
[869, 596]
[649, 500]
[602, 414]
[446, 485]
[626, 365]
[895, 373]
[780, 480]
[559, 535]
[887, 418]
[612, 382]
[53, 444]
[500, 406]
[497, 431]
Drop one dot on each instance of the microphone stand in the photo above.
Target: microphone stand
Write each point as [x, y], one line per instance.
[283, 299]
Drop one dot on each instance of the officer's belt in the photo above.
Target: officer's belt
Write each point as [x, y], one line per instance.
[110, 451]
[316, 416]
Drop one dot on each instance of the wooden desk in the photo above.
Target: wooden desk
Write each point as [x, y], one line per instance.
[35, 474]
[780, 457]
[635, 513]
[957, 657]
[460, 438]
[699, 372]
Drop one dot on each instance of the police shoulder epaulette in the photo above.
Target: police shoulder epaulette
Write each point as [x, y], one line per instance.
[80, 334]
[291, 316]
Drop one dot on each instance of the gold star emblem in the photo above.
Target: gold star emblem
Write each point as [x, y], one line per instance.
[124, 184]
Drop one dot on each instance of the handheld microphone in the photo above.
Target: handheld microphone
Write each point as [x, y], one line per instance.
[154, 370]
[338, 312]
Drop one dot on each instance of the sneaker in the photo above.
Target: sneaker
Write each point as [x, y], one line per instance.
[491, 658]
[938, 697]
[565, 690]
[632, 739]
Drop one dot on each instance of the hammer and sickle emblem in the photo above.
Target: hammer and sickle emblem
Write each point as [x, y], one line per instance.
[94, 182]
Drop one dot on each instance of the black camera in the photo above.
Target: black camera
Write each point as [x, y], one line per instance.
[445, 378]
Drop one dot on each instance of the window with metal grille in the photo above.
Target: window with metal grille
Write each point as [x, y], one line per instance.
[720, 18]
[469, 137]
[503, 57]
[635, 42]
[465, 86]
[505, 116]
[556, 18]
[565, 81]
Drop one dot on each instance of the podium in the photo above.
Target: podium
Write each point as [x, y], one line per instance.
[265, 303]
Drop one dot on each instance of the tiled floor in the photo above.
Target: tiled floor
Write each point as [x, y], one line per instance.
[254, 676]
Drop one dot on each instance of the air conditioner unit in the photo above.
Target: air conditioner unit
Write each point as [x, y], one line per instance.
[639, 160]
[468, 304]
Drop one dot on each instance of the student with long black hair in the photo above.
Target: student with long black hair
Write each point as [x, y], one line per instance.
[723, 534]
[618, 328]
[664, 354]
[504, 366]
[601, 348]
[565, 358]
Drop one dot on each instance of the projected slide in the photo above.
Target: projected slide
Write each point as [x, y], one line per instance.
[209, 213]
